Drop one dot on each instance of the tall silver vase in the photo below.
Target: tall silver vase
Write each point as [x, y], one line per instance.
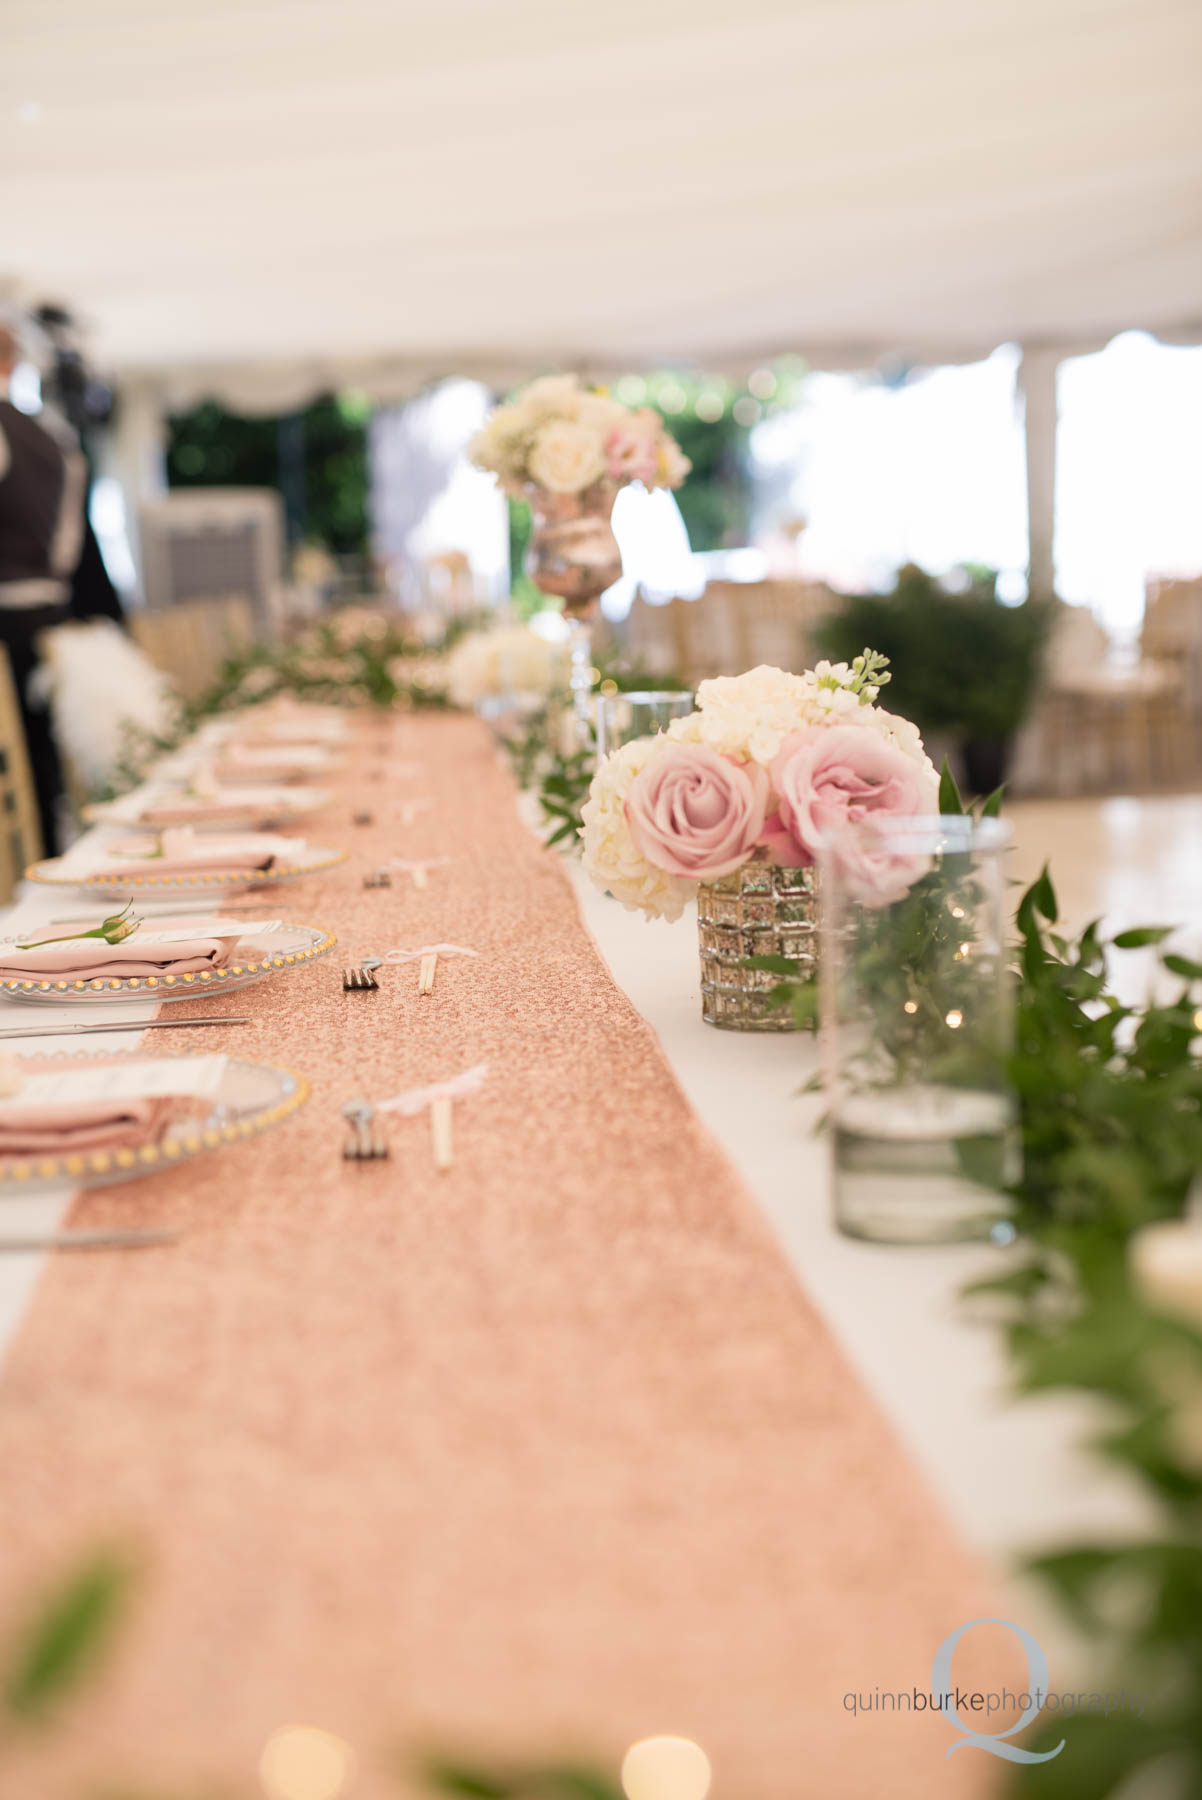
[574, 554]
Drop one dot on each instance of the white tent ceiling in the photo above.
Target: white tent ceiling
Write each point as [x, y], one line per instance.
[257, 195]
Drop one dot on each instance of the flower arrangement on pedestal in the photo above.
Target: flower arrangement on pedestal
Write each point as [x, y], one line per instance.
[567, 449]
[731, 804]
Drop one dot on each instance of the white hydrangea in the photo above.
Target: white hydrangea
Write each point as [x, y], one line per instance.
[750, 716]
[611, 856]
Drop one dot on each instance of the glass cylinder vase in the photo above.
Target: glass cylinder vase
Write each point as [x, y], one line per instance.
[916, 1025]
[623, 716]
[760, 910]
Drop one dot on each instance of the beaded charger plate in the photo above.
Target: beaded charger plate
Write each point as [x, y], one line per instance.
[252, 957]
[310, 859]
[252, 1097]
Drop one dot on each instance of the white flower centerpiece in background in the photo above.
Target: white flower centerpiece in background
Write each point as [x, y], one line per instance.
[510, 664]
[731, 804]
[567, 449]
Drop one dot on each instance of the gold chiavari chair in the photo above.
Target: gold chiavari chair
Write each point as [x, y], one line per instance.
[190, 641]
[20, 835]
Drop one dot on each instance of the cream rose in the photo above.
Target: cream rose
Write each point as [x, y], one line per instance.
[566, 457]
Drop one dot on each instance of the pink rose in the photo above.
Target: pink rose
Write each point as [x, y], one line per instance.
[631, 450]
[831, 779]
[695, 813]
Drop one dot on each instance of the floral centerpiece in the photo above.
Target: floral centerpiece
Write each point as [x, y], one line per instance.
[731, 804]
[567, 449]
[565, 438]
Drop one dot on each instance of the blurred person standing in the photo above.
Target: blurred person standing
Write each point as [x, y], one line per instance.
[50, 565]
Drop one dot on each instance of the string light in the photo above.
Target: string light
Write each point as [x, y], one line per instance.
[666, 1768]
[911, 1006]
[955, 1018]
[709, 406]
[301, 1762]
[762, 383]
[746, 411]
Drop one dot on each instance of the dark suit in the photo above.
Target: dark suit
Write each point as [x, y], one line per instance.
[50, 571]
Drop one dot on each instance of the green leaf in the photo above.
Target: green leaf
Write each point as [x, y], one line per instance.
[950, 803]
[447, 1777]
[1182, 965]
[1141, 935]
[67, 1636]
[993, 806]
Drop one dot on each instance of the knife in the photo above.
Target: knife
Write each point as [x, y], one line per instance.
[88, 1240]
[26, 1031]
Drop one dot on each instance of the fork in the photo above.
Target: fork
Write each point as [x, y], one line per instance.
[364, 1144]
[362, 978]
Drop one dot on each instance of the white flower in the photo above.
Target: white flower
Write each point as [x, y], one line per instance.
[611, 856]
[566, 457]
[509, 660]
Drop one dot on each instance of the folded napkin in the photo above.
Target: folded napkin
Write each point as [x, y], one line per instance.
[60, 1126]
[183, 852]
[91, 959]
[241, 762]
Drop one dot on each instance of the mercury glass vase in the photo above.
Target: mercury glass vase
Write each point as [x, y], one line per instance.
[760, 910]
[574, 554]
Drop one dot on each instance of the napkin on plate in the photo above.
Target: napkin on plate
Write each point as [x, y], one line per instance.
[183, 852]
[91, 959]
[60, 1126]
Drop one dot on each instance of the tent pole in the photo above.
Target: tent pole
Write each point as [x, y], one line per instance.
[136, 454]
[1037, 384]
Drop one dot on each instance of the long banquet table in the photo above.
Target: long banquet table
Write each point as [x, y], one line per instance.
[548, 1452]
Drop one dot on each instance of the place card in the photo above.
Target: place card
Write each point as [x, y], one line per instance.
[185, 931]
[147, 1078]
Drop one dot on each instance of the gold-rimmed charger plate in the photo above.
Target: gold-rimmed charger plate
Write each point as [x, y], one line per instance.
[253, 957]
[311, 860]
[253, 1097]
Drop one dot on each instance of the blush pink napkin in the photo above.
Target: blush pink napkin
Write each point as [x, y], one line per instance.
[198, 857]
[88, 959]
[67, 1125]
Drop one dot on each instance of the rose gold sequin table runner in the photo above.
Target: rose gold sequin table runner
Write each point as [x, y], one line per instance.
[547, 1453]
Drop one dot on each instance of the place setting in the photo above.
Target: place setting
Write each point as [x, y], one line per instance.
[180, 860]
[205, 805]
[170, 957]
[93, 1119]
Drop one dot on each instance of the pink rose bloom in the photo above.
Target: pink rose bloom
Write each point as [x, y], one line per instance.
[631, 449]
[831, 778]
[695, 813]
